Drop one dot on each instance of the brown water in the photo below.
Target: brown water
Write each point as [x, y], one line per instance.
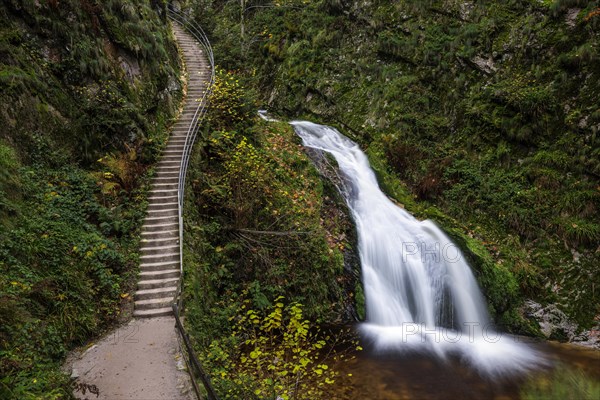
[415, 377]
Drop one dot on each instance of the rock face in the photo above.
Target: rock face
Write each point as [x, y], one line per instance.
[555, 324]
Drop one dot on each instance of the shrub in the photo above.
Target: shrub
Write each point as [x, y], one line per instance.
[276, 353]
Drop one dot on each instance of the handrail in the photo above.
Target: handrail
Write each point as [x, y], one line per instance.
[191, 359]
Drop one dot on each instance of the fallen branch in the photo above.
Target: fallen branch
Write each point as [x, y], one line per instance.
[275, 233]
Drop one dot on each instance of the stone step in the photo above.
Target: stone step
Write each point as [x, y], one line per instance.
[152, 304]
[168, 164]
[175, 147]
[171, 178]
[160, 227]
[167, 174]
[179, 147]
[161, 241]
[171, 157]
[180, 133]
[177, 140]
[146, 284]
[160, 219]
[149, 235]
[176, 143]
[169, 212]
[173, 152]
[186, 119]
[182, 130]
[163, 192]
[158, 293]
[180, 140]
[160, 274]
[159, 266]
[168, 170]
[169, 167]
[158, 258]
[168, 186]
[158, 250]
[177, 150]
[153, 312]
[167, 177]
[162, 199]
[161, 206]
[189, 114]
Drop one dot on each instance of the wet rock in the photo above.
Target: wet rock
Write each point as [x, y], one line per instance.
[485, 65]
[555, 325]
[571, 17]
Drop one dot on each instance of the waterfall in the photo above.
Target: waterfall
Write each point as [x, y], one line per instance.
[420, 292]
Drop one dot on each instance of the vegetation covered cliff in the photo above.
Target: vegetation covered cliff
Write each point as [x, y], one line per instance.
[486, 111]
[87, 90]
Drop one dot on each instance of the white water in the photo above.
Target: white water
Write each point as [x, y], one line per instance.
[420, 293]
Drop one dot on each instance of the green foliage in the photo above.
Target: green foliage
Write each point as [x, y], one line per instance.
[562, 383]
[261, 224]
[275, 352]
[85, 81]
[64, 268]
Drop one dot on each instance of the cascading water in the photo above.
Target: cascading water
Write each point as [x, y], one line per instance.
[420, 292]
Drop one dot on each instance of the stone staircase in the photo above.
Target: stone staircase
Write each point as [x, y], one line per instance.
[160, 258]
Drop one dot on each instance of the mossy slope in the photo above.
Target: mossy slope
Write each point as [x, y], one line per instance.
[87, 90]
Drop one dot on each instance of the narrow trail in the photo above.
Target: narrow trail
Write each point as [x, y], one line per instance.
[141, 360]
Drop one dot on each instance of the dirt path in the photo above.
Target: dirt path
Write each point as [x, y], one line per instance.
[139, 360]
